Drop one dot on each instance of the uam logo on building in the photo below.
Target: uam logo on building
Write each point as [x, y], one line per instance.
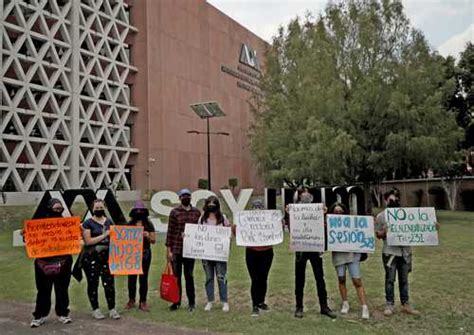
[248, 56]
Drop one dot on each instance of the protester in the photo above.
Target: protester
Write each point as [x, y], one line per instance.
[395, 259]
[213, 216]
[351, 262]
[52, 271]
[259, 261]
[301, 258]
[179, 216]
[139, 217]
[95, 261]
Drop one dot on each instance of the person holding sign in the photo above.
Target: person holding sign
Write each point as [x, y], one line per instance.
[301, 258]
[52, 271]
[179, 216]
[213, 216]
[95, 261]
[139, 217]
[395, 259]
[350, 261]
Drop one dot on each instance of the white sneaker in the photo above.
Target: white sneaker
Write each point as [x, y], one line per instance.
[37, 322]
[345, 307]
[97, 314]
[64, 319]
[113, 314]
[208, 307]
[225, 307]
[365, 312]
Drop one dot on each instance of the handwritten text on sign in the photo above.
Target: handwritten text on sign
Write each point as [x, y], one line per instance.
[351, 233]
[126, 250]
[411, 226]
[52, 237]
[259, 227]
[206, 242]
[306, 227]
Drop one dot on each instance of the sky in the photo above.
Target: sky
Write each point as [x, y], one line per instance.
[447, 24]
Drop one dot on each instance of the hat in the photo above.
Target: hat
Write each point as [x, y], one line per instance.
[139, 207]
[183, 191]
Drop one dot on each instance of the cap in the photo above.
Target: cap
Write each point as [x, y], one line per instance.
[184, 191]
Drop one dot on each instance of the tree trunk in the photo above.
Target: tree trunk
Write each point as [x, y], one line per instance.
[368, 198]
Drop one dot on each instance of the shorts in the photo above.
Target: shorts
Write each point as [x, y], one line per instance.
[353, 267]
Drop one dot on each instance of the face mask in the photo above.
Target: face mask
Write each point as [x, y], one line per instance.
[99, 213]
[56, 214]
[393, 203]
[186, 202]
[139, 216]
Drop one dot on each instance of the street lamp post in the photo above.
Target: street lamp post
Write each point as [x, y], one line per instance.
[206, 111]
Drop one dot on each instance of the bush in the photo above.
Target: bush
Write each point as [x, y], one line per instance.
[233, 183]
[203, 184]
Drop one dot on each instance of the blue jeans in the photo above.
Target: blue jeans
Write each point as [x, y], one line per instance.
[219, 269]
[403, 268]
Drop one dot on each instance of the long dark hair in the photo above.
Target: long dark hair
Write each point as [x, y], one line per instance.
[212, 203]
[338, 204]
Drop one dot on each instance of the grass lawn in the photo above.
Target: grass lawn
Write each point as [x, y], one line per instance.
[441, 287]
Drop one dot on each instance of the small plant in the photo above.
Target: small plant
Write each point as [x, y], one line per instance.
[233, 183]
[203, 184]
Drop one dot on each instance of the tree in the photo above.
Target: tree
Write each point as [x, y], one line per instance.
[352, 96]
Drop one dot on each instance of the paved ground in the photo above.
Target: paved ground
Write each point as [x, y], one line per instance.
[15, 319]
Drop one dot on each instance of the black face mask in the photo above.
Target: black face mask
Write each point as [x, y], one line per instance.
[139, 216]
[56, 214]
[99, 213]
[212, 209]
[393, 203]
[186, 202]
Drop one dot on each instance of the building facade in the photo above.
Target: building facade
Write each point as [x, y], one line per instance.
[96, 93]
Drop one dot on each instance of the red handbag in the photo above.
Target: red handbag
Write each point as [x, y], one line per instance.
[169, 289]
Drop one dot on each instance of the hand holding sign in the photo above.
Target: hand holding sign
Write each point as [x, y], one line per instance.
[411, 226]
[126, 250]
[206, 242]
[259, 227]
[306, 227]
[351, 233]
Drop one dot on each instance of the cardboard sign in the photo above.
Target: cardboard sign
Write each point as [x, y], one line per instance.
[258, 228]
[351, 233]
[306, 227]
[52, 237]
[206, 242]
[126, 250]
[411, 226]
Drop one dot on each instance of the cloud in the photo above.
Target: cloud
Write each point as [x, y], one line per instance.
[454, 45]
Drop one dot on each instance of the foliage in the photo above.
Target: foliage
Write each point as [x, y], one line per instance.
[354, 95]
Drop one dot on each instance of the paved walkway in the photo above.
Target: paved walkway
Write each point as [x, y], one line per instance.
[15, 319]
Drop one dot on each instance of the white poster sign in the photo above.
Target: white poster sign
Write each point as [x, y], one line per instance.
[351, 233]
[411, 226]
[206, 242]
[306, 227]
[257, 228]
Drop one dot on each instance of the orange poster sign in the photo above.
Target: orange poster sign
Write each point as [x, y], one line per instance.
[52, 237]
[126, 250]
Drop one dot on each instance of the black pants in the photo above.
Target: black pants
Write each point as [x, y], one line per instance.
[96, 266]
[143, 278]
[179, 263]
[301, 259]
[258, 265]
[44, 286]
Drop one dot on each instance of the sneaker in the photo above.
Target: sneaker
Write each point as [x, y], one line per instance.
[263, 306]
[174, 307]
[143, 307]
[407, 309]
[97, 314]
[345, 307]
[37, 322]
[113, 314]
[225, 307]
[208, 307]
[328, 312]
[388, 310]
[191, 308]
[365, 312]
[299, 312]
[130, 304]
[64, 319]
[255, 311]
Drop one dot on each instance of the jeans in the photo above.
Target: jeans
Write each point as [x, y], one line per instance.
[403, 268]
[316, 261]
[219, 269]
[143, 278]
[258, 265]
[96, 266]
[179, 262]
[44, 286]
